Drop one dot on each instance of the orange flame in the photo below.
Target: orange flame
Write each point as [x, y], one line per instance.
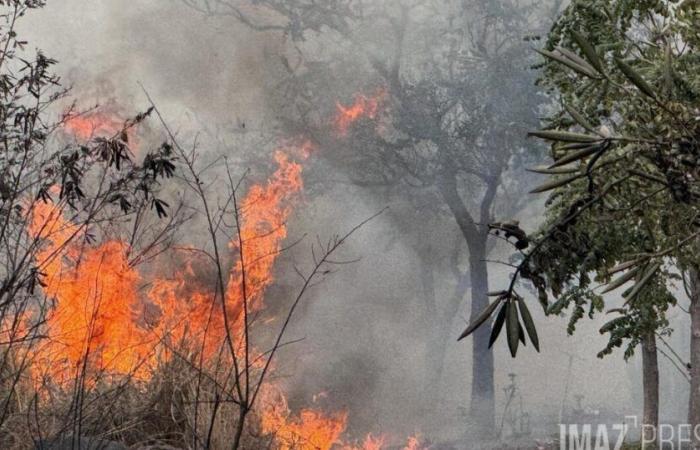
[102, 323]
[93, 124]
[100, 124]
[95, 292]
[414, 443]
[363, 107]
[263, 215]
[370, 443]
[311, 430]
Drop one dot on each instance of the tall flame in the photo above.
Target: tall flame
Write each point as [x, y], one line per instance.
[102, 325]
[263, 216]
[96, 290]
[96, 293]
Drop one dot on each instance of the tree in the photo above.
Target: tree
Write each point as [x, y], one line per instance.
[46, 177]
[626, 75]
[589, 251]
[465, 75]
[444, 139]
[258, 230]
[79, 213]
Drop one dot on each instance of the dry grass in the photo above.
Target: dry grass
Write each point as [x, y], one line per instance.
[158, 413]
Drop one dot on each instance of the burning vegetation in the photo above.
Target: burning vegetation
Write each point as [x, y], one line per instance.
[150, 272]
[363, 107]
[111, 323]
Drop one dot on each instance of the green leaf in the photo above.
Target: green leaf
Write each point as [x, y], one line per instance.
[642, 282]
[575, 156]
[573, 56]
[497, 293]
[578, 117]
[619, 281]
[557, 306]
[564, 136]
[512, 328]
[555, 184]
[485, 314]
[588, 50]
[498, 324]
[585, 70]
[529, 323]
[553, 171]
[635, 78]
[625, 265]
[608, 326]
[571, 146]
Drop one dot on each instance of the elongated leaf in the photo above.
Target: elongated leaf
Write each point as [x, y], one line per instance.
[572, 146]
[553, 171]
[623, 266]
[555, 184]
[588, 50]
[585, 70]
[521, 335]
[578, 117]
[512, 328]
[498, 324]
[564, 136]
[627, 291]
[572, 56]
[575, 156]
[639, 285]
[481, 318]
[496, 293]
[529, 323]
[619, 281]
[635, 78]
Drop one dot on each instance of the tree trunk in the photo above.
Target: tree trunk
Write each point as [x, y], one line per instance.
[482, 408]
[694, 397]
[650, 381]
[441, 337]
[433, 366]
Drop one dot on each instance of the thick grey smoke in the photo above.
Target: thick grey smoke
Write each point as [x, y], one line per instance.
[363, 341]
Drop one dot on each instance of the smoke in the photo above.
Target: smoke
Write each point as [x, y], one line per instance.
[363, 334]
[204, 65]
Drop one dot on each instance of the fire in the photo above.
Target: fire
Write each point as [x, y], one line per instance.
[93, 124]
[311, 430]
[96, 293]
[363, 107]
[105, 324]
[263, 214]
[413, 443]
[100, 124]
[370, 443]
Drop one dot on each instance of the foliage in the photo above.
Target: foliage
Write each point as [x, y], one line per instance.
[623, 185]
[90, 182]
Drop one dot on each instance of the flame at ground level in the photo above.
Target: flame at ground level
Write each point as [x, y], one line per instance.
[100, 324]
